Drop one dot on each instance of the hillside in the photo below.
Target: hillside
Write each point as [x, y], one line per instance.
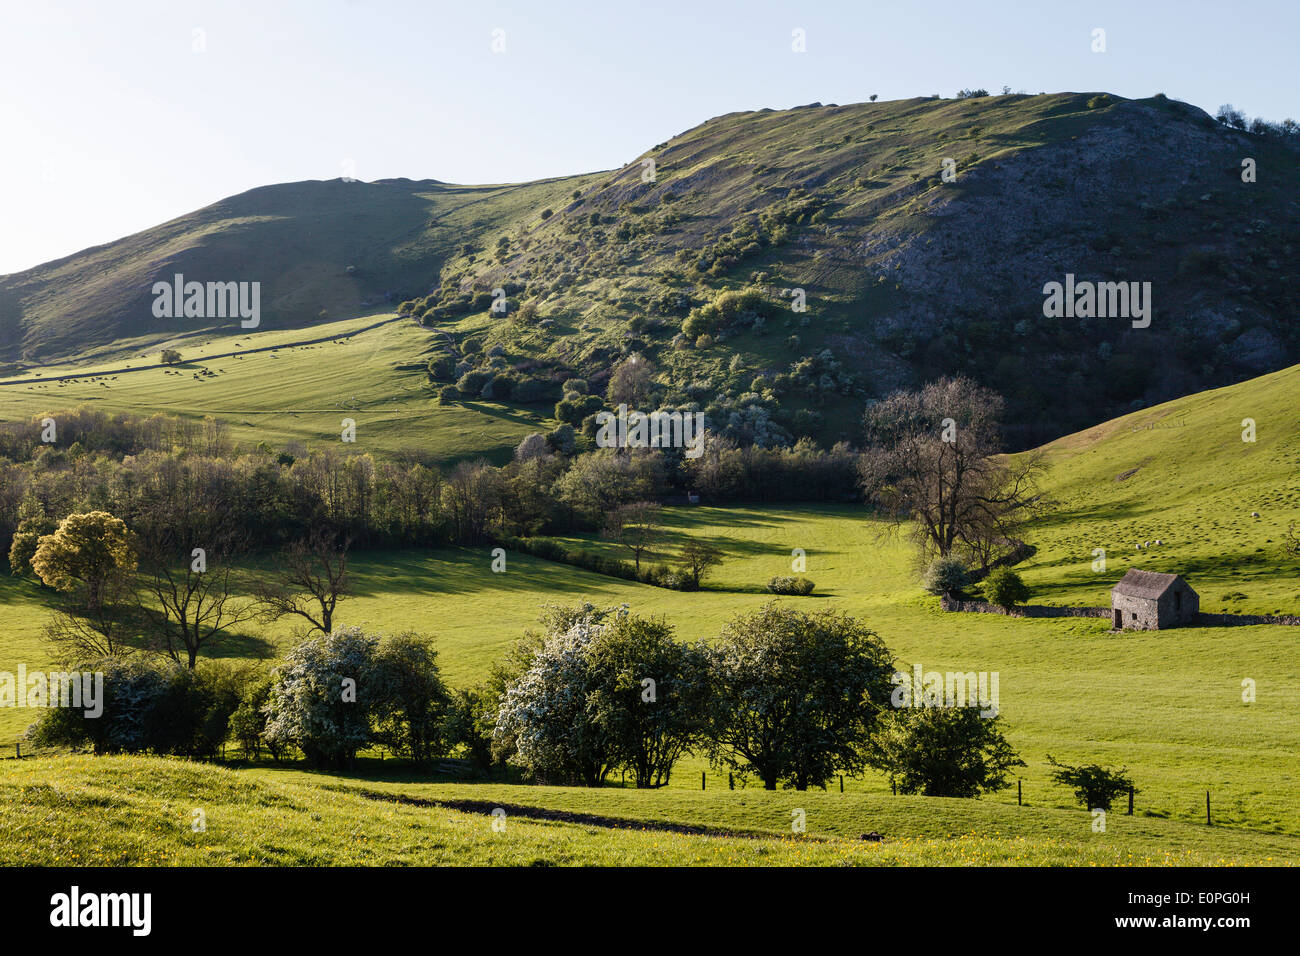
[1168, 705]
[322, 251]
[140, 811]
[906, 276]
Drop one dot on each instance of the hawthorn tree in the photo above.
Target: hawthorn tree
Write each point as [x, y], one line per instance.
[943, 751]
[798, 695]
[649, 695]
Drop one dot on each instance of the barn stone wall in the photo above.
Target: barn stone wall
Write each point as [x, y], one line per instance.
[1141, 614]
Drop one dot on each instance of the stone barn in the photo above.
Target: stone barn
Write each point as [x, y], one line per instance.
[1149, 600]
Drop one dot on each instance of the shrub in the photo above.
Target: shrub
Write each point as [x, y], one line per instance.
[547, 213]
[448, 394]
[147, 706]
[471, 383]
[946, 576]
[531, 391]
[790, 585]
[1004, 588]
[321, 698]
[1095, 786]
[944, 752]
[441, 368]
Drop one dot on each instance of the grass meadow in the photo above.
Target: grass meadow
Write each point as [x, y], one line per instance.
[1166, 705]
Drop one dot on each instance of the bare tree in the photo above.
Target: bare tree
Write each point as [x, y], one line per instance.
[932, 457]
[312, 579]
[636, 526]
[192, 595]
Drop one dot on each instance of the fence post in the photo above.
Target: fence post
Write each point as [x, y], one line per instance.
[1130, 800]
[702, 787]
[731, 782]
[841, 783]
[1207, 809]
[18, 748]
[1019, 792]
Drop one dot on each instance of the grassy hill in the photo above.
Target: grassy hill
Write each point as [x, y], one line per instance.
[906, 276]
[144, 809]
[273, 390]
[322, 251]
[1165, 704]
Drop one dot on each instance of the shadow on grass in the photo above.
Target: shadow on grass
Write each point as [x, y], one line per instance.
[489, 807]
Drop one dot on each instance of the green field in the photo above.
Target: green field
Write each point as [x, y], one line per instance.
[1168, 705]
[286, 393]
[144, 813]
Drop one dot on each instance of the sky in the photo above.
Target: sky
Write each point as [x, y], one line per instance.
[118, 116]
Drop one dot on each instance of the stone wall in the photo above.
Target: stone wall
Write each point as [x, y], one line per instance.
[1040, 610]
[1026, 610]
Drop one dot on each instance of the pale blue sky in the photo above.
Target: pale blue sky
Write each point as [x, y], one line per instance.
[112, 122]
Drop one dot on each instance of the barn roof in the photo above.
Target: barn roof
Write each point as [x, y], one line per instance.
[1145, 584]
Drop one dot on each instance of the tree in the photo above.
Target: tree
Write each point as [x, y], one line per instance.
[1005, 588]
[248, 722]
[649, 695]
[322, 697]
[194, 603]
[87, 555]
[946, 576]
[1230, 116]
[798, 695]
[543, 712]
[532, 446]
[146, 706]
[631, 382]
[932, 458]
[169, 357]
[312, 579]
[698, 558]
[943, 752]
[471, 717]
[607, 478]
[1094, 785]
[26, 540]
[636, 526]
[78, 631]
[411, 702]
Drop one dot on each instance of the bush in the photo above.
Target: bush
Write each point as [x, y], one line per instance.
[945, 576]
[1095, 786]
[944, 752]
[320, 701]
[1005, 589]
[448, 394]
[148, 707]
[790, 585]
[471, 383]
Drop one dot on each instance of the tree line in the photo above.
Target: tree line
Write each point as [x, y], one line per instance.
[785, 697]
[930, 458]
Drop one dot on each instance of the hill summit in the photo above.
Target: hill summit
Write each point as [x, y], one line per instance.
[776, 269]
